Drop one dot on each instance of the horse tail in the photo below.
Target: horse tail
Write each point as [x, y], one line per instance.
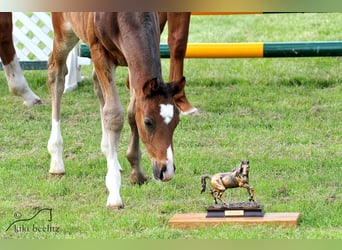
[203, 182]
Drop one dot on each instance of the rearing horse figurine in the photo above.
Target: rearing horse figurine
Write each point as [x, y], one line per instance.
[118, 39]
[238, 177]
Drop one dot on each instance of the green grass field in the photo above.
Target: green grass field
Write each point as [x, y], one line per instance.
[284, 115]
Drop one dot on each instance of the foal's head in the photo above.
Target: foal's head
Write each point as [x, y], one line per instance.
[157, 117]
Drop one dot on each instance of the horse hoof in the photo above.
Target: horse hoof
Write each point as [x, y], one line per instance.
[193, 112]
[140, 182]
[70, 88]
[36, 102]
[58, 176]
[138, 178]
[115, 207]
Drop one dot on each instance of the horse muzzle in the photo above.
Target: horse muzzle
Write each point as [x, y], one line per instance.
[163, 172]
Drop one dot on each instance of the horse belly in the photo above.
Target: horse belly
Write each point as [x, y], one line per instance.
[216, 183]
[230, 182]
[78, 22]
[107, 30]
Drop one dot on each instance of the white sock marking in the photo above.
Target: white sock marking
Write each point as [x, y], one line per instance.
[166, 111]
[170, 171]
[55, 147]
[17, 82]
[109, 146]
[113, 183]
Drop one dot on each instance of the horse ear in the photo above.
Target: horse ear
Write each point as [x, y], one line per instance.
[177, 86]
[150, 87]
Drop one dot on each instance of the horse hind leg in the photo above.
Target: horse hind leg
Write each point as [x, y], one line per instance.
[17, 83]
[57, 70]
[219, 196]
[212, 193]
[178, 30]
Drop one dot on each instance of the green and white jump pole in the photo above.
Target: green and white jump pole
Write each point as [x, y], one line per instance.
[252, 50]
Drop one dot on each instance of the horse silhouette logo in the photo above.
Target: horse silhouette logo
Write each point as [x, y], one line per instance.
[18, 215]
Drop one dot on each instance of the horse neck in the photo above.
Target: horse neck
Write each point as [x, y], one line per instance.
[247, 174]
[237, 171]
[141, 48]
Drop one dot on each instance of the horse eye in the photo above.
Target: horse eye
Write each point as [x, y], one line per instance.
[148, 123]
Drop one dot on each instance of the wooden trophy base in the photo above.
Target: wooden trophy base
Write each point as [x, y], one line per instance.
[234, 213]
[240, 209]
[199, 220]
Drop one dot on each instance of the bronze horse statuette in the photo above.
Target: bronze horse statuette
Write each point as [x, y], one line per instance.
[219, 182]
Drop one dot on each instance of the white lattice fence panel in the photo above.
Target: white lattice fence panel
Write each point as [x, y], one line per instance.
[32, 35]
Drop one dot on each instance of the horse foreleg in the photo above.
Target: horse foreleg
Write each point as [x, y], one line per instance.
[178, 30]
[251, 194]
[112, 120]
[133, 153]
[250, 190]
[99, 94]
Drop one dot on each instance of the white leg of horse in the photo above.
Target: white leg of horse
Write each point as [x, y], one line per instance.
[111, 122]
[56, 76]
[17, 83]
[113, 177]
[55, 147]
[74, 75]
[57, 71]
[104, 139]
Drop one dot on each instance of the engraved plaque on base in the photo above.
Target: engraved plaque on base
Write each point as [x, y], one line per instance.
[240, 209]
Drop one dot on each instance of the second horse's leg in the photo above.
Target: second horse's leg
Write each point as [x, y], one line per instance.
[219, 196]
[212, 193]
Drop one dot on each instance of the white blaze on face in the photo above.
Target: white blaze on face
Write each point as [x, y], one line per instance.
[166, 112]
[170, 171]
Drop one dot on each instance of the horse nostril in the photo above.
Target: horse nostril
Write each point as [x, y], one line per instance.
[162, 171]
